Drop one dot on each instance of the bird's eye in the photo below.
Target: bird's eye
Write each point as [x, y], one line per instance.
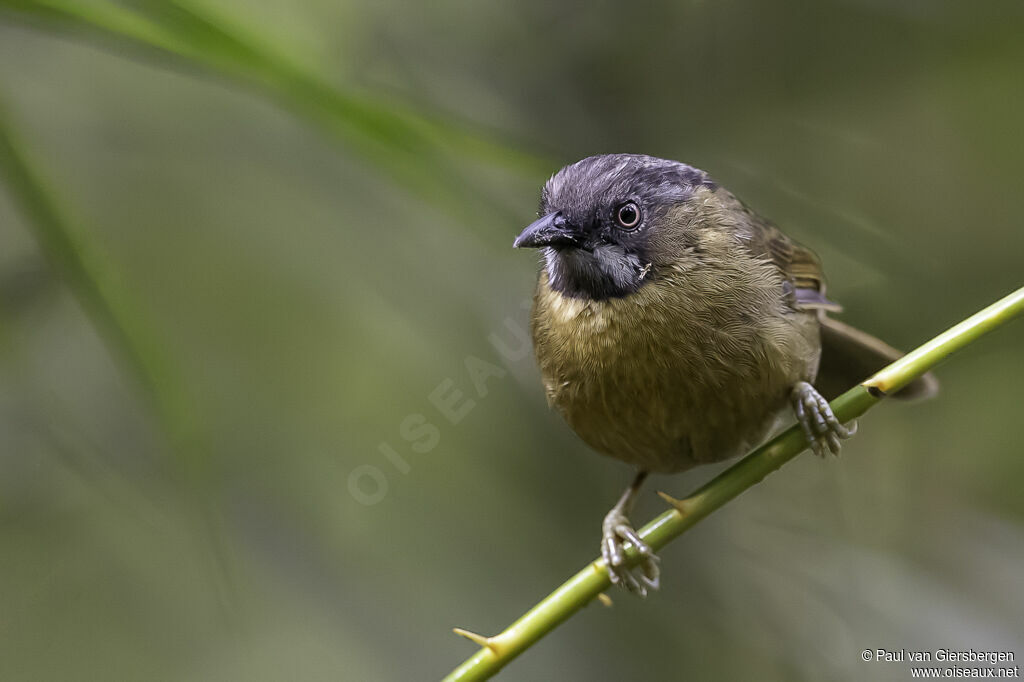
[628, 215]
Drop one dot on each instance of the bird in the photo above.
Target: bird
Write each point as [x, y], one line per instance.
[673, 326]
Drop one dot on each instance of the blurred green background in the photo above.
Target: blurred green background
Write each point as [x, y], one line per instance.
[289, 223]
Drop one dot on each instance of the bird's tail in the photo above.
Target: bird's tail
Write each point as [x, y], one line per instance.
[849, 356]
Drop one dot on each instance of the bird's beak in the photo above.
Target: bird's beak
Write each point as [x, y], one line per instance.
[551, 230]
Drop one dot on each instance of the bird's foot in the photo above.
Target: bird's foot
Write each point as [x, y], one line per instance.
[638, 579]
[821, 428]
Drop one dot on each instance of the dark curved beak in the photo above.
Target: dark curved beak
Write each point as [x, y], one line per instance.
[551, 230]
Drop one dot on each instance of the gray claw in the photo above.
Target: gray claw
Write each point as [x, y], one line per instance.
[636, 579]
[823, 431]
[624, 530]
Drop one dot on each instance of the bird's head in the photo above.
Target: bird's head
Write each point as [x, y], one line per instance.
[600, 220]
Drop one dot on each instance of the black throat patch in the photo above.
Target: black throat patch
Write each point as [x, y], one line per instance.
[605, 272]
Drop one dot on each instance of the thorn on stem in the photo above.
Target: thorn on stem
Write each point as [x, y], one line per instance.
[478, 639]
[682, 506]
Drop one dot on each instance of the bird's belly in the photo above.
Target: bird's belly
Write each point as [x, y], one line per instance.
[668, 401]
[669, 422]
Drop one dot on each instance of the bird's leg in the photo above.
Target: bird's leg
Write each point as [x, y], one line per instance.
[815, 417]
[616, 530]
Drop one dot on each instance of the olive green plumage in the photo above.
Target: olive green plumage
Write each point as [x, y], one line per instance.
[690, 369]
[674, 326]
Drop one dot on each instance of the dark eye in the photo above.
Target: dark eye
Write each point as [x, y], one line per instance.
[628, 215]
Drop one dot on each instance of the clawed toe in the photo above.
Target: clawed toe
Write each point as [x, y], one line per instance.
[637, 579]
[823, 431]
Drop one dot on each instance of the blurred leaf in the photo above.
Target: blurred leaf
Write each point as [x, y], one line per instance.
[413, 149]
[93, 282]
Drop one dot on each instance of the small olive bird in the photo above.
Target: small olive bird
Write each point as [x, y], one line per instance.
[673, 326]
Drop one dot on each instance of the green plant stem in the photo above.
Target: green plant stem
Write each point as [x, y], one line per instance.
[120, 322]
[579, 590]
[93, 282]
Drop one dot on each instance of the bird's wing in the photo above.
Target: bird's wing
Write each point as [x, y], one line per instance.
[848, 355]
[800, 266]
